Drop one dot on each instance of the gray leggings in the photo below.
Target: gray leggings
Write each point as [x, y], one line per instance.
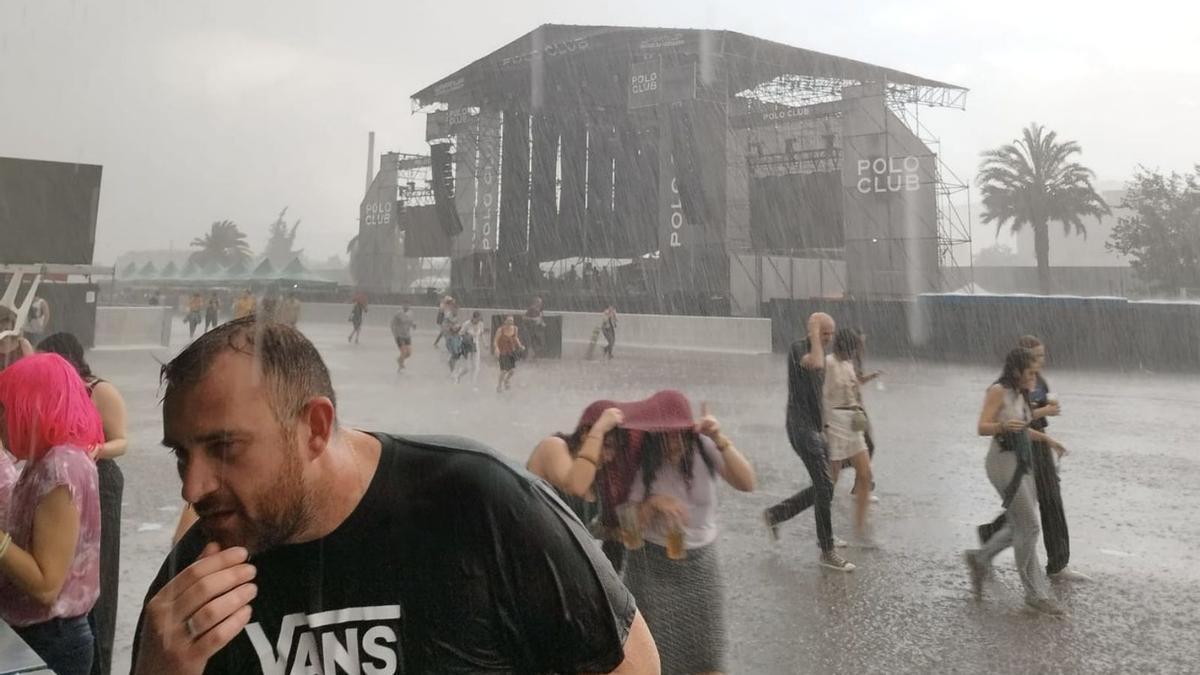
[1021, 527]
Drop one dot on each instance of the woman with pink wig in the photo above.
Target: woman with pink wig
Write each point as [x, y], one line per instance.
[50, 535]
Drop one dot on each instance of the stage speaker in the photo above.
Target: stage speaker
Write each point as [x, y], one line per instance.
[698, 143]
[48, 211]
[443, 188]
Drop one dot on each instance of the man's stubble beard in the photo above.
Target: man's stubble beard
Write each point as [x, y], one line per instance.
[284, 509]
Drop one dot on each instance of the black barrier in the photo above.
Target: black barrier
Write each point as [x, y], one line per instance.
[1079, 332]
[545, 341]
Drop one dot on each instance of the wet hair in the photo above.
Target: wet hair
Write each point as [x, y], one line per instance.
[47, 405]
[1029, 342]
[291, 366]
[654, 452]
[67, 346]
[1017, 362]
[847, 344]
[476, 314]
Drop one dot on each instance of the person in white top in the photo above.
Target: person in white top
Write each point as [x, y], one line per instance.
[475, 329]
[846, 422]
[674, 575]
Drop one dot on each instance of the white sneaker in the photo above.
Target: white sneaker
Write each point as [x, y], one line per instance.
[1069, 574]
[1045, 606]
[833, 561]
[838, 542]
[873, 499]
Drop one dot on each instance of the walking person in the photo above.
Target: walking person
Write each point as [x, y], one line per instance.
[608, 326]
[356, 318]
[446, 307]
[370, 551]
[50, 540]
[12, 344]
[1006, 418]
[289, 310]
[212, 310]
[846, 422]
[506, 345]
[805, 429]
[476, 329]
[1045, 478]
[245, 306]
[38, 320]
[111, 406]
[573, 464]
[195, 306]
[402, 327]
[864, 378]
[459, 348]
[675, 576]
[535, 328]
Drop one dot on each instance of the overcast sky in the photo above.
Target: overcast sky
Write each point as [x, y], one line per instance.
[212, 110]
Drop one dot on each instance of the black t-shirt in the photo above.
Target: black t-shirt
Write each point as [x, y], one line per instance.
[453, 562]
[804, 391]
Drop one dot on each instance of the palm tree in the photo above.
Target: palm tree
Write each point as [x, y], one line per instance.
[1032, 181]
[224, 244]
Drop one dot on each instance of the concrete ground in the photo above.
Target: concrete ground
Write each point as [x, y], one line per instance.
[1131, 486]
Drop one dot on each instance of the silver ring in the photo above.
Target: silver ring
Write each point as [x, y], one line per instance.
[191, 630]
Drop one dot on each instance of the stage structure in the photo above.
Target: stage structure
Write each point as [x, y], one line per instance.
[399, 227]
[711, 159]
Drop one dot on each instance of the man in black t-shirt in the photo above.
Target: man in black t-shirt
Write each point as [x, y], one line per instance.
[806, 433]
[323, 549]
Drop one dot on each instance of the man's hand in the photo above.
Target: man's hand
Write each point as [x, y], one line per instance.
[197, 613]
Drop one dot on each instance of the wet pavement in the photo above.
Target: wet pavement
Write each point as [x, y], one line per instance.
[1131, 486]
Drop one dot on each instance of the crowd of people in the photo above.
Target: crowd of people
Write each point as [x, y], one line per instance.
[600, 558]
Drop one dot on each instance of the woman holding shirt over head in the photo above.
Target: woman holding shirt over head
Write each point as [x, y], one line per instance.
[674, 576]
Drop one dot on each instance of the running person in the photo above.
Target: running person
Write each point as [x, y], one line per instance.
[805, 428]
[402, 326]
[506, 345]
[846, 423]
[675, 576]
[475, 329]
[1006, 418]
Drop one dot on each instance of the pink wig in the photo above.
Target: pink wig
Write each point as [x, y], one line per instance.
[45, 404]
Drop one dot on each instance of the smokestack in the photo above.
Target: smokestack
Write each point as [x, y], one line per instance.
[370, 159]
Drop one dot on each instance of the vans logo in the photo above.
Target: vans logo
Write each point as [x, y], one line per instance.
[357, 640]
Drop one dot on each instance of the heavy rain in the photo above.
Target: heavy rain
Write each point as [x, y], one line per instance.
[598, 337]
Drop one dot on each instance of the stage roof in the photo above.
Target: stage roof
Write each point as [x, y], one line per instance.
[595, 60]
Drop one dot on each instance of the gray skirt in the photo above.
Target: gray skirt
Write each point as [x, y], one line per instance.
[683, 602]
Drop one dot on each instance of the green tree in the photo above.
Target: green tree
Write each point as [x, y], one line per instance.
[1033, 182]
[280, 241]
[1162, 237]
[224, 243]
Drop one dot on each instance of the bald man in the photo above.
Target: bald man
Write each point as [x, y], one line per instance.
[806, 433]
